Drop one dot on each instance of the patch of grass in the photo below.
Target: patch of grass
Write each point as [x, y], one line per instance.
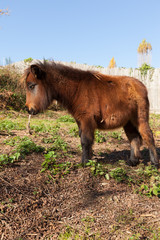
[6, 159]
[48, 140]
[145, 179]
[97, 168]
[86, 232]
[70, 234]
[116, 135]
[51, 163]
[119, 174]
[150, 190]
[59, 144]
[12, 141]
[100, 137]
[41, 127]
[23, 147]
[8, 125]
[27, 146]
[74, 132]
[149, 233]
[66, 118]
[44, 126]
[150, 183]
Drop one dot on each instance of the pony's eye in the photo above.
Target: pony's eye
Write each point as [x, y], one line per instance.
[31, 86]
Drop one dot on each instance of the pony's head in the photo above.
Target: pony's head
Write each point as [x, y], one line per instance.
[36, 91]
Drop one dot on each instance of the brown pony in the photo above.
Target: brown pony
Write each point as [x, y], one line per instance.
[96, 101]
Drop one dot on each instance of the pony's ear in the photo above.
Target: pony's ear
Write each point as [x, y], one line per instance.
[37, 71]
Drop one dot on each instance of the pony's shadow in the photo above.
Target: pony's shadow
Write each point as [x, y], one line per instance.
[115, 156]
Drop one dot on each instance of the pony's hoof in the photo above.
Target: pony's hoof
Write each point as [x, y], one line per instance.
[157, 165]
[133, 163]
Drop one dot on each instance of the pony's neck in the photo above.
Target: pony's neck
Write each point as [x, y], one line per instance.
[65, 85]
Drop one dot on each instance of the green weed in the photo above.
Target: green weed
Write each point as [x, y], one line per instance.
[28, 60]
[85, 233]
[116, 135]
[100, 137]
[27, 146]
[59, 145]
[74, 132]
[96, 168]
[66, 118]
[150, 190]
[151, 181]
[50, 163]
[22, 148]
[6, 159]
[48, 140]
[44, 126]
[12, 141]
[119, 174]
[70, 234]
[8, 125]
[41, 127]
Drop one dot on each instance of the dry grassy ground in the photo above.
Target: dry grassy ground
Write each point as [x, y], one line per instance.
[46, 194]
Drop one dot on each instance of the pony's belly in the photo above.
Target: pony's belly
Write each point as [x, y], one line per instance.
[113, 121]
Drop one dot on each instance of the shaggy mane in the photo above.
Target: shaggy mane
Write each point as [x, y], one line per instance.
[60, 71]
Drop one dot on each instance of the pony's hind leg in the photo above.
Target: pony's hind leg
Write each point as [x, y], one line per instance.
[147, 137]
[135, 141]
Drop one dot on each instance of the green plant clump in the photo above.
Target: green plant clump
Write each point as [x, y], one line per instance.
[6, 159]
[50, 163]
[97, 169]
[27, 147]
[28, 60]
[99, 137]
[119, 174]
[8, 125]
[24, 147]
[144, 68]
[66, 118]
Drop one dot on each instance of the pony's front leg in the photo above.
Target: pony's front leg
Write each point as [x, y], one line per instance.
[86, 133]
[86, 143]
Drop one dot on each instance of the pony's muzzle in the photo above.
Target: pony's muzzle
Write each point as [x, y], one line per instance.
[31, 111]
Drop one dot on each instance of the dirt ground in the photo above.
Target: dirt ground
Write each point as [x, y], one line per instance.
[84, 206]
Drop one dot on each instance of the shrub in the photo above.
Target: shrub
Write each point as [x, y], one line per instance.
[12, 95]
[28, 60]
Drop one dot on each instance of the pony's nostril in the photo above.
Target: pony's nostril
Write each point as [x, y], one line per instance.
[32, 111]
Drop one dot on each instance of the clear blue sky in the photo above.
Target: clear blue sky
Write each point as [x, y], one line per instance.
[83, 31]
